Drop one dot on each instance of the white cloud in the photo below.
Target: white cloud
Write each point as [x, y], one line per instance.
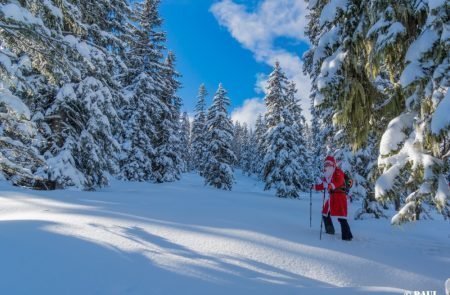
[261, 83]
[272, 19]
[249, 112]
[258, 30]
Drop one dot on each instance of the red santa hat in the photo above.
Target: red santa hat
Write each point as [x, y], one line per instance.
[330, 160]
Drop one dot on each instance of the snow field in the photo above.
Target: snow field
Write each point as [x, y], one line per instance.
[185, 238]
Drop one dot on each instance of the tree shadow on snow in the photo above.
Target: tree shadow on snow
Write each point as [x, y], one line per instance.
[194, 271]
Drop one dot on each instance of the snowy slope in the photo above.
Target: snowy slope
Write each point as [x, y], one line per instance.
[184, 238]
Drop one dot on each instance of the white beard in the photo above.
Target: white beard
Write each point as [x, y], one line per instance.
[328, 173]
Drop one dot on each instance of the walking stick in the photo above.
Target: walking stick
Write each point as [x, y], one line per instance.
[321, 218]
[310, 207]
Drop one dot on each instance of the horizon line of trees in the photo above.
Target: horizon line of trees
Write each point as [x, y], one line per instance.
[276, 151]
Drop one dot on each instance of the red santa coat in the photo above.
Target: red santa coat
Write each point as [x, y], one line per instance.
[336, 199]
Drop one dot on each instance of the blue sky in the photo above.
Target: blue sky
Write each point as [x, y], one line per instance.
[234, 42]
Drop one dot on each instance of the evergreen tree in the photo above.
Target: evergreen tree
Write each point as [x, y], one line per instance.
[64, 45]
[137, 148]
[282, 169]
[83, 130]
[237, 143]
[142, 96]
[300, 136]
[276, 99]
[99, 93]
[260, 131]
[249, 151]
[167, 164]
[185, 142]
[317, 148]
[20, 162]
[412, 147]
[199, 143]
[218, 171]
[367, 69]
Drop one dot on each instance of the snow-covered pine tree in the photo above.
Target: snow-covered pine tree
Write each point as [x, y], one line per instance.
[82, 133]
[20, 139]
[282, 171]
[276, 99]
[343, 93]
[76, 66]
[324, 37]
[185, 142]
[20, 162]
[317, 148]
[64, 47]
[237, 143]
[137, 115]
[218, 170]
[249, 150]
[142, 95]
[374, 47]
[301, 135]
[413, 146]
[199, 143]
[281, 167]
[260, 131]
[83, 115]
[324, 33]
[28, 73]
[388, 32]
[168, 164]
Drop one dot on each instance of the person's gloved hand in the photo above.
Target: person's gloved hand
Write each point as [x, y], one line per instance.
[331, 187]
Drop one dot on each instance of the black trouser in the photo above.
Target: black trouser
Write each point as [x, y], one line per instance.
[345, 228]
[329, 228]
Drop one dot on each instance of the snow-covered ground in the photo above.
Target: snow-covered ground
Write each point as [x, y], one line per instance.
[185, 238]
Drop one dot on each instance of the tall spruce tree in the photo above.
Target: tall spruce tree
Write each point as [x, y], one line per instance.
[282, 169]
[167, 163]
[413, 146]
[260, 131]
[218, 171]
[237, 144]
[185, 142]
[248, 150]
[301, 136]
[143, 104]
[199, 143]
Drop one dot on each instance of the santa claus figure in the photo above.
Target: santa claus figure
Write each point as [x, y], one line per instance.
[333, 182]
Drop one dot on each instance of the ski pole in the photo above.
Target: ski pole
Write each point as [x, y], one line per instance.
[310, 207]
[321, 218]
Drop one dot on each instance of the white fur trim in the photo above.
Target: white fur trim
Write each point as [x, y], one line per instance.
[329, 162]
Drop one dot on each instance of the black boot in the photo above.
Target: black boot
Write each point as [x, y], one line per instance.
[345, 229]
[329, 228]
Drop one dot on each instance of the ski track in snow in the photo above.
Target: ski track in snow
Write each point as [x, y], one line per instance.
[185, 238]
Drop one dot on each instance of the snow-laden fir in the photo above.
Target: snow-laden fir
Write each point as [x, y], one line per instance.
[380, 74]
